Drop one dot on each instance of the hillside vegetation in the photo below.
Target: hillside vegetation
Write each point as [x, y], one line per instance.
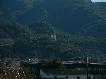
[52, 29]
[33, 41]
[72, 16]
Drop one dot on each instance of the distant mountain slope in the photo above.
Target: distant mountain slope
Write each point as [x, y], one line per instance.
[96, 29]
[66, 46]
[68, 15]
[37, 40]
[98, 9]
[74, 17]
[13, 30]
[14, 37]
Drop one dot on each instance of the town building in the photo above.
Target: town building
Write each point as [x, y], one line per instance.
[75, 71]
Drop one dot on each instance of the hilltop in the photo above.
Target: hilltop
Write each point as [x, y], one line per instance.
[72, 16]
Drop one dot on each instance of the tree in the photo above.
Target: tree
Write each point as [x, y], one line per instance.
[53, 64]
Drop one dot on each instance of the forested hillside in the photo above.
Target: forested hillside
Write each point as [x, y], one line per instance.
[14, 36]
[72, 16]
[37, 40]
[52, 28]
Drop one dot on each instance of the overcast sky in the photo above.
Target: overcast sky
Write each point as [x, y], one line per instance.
[98, 0]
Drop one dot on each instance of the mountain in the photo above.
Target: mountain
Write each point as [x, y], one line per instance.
[65, 46]
[72, 16]
[14, 38]
[53, 28]
[45, 41]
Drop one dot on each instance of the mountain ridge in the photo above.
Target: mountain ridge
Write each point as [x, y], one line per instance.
[67, 15]
[32, 24]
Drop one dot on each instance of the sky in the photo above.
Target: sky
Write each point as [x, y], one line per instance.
[98, 0]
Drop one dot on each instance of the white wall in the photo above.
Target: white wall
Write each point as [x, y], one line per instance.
[45, 75]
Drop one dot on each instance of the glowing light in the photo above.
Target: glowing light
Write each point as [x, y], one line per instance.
[18, 73]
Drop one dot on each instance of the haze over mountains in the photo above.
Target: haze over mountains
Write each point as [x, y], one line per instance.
[79, 25]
